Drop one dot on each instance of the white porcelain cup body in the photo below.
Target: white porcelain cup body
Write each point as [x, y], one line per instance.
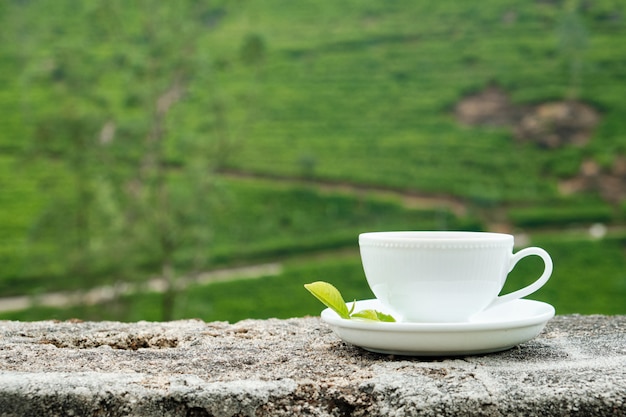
[443, 276]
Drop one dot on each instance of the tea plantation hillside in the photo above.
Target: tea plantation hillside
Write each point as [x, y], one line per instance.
[142, 139]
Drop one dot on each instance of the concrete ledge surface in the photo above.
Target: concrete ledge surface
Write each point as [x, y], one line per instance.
[577, 366]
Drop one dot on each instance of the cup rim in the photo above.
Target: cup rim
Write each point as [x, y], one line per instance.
[438, 237]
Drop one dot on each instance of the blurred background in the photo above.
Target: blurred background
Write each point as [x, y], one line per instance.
[205, 159]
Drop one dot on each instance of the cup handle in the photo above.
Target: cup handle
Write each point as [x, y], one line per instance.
[535, 285]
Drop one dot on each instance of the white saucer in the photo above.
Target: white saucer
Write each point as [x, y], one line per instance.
[492, 330]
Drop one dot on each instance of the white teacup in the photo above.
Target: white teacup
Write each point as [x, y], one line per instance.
[443, 276]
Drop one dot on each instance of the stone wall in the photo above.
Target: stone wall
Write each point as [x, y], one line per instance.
[577, 366]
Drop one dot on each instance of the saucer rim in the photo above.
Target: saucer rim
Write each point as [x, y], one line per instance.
[442, 339]
[547, 311]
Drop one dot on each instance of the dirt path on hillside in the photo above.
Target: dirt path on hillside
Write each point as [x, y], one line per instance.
[408, 198]
[106, 293]
[494, 218]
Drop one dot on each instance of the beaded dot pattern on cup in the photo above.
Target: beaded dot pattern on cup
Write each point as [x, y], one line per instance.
[435, 240]
[430, 245]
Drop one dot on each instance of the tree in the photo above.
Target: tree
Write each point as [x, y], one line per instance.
[573, 36]
[140, 163]
[167, 193]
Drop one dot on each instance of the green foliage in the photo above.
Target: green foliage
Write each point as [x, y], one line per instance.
[245, 221]
[560, 215]
[355, 92]
[332, 298]
[253, 218]
[230, 301]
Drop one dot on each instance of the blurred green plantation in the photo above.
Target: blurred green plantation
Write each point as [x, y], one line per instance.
[165, 139]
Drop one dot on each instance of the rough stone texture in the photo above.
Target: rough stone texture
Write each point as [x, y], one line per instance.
[577, 366]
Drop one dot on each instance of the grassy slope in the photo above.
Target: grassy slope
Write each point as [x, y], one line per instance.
[371, 104]
[359, 91]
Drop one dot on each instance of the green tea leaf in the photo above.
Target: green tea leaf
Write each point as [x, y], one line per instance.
[373, 315]
[329, 296]
[387, 318]
[366, 315]
[332, 298]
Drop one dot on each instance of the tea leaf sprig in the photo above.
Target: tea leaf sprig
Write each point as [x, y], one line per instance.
[332, 298]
